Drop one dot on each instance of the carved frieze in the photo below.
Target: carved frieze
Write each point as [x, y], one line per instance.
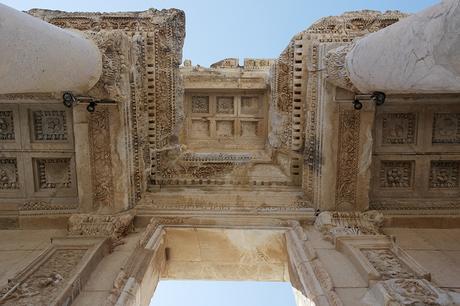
[396, 173]
[399, 128]
[7, 125]
[9, 178]
[101, 158]
[347, 163]
[333, 224]
[410, 292]
[50, 125]
[446, 128]
[113, 226]
[387, 264]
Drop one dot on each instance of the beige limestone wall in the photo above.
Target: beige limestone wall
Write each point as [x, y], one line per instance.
[225, 254]
[436, 250]
[19, 247]
[98, 288]
[348, 283]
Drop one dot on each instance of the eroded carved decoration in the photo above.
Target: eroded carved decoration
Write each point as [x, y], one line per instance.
[444, 174]
[7, 125]
[333, 224]
[54, 173]
[410, 292]
[446, 128]
[200, 104]
[50, 125]
[46, 282]
[357, 23]
[387, 264]
[336, 70]
[113, 226]
[399, 128]
[347, 163]
[396, 174]
[225, 105]
[9, 178]
[101, 158]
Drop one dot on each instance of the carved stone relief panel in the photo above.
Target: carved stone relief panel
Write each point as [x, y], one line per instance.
[446, 128]
[10, 132]
[9, 177]
[37, 160]
[49, 125]
[396, 174]
[399, 128]
[56, 275]
[53, 173]
[6, 125]
[387, 264]
[416, 163]
[444, 174]
[225, 121]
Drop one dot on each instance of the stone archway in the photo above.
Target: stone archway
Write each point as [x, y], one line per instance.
[179, 252]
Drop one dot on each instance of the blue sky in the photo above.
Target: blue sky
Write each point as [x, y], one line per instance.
[238, 28]
[206, 293]
[217, 29]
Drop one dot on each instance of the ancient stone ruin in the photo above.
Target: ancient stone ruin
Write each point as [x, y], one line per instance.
[335, 166]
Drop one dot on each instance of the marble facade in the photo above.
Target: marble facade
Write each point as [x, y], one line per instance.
[261, 171]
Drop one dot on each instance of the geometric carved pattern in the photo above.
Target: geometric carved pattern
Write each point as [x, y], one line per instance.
[54, 173]
[9, 173]
[50, 125]
[200, 104]
[444, 174]
[446, 128]
[396, 173]
[6, 125]
[399, 128]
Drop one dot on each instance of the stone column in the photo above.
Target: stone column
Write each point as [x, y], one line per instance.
[419, 54]
[36, 56]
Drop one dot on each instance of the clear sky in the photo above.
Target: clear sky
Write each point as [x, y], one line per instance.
[205, 293]
[217, 29]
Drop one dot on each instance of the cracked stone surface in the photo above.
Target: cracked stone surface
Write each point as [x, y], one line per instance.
[420, 54]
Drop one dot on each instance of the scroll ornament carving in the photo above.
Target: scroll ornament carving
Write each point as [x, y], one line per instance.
[336, 68]
[113, 226]
[101, 158]
[347, 160]
[333, 224]
[114, 46]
